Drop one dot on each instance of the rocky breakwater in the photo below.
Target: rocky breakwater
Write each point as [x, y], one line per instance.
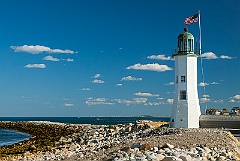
[43, 137]
[142, 140]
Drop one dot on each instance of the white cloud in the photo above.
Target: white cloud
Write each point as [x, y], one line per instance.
[202, 84]
[203, 100]
[225, 57]
[170, 101]
[130, 78]
[118, 85]
[39, 49]
[209, 55]
[140, 100]
[97, 81]
[68, 99]
[232, 100]
[218, 101]
[97, 76]
[214, 83]
[150, 67]
[146, 94]
[35, 66]
[170, 83]
[205, 95]
[86, 89]
[69, 60]
[236, 97]
[68, 105]
[98, 101]
[159, 57]
[134, 101]
[50, 58]
[128, 102]
[152, 104]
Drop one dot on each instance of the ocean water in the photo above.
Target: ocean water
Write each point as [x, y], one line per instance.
[9, 137]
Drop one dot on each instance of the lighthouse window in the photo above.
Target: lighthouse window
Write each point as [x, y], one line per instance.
[185, 45]
[183, 95]
[180, 45]
[183, 79]
[176, 79]
[189, 45]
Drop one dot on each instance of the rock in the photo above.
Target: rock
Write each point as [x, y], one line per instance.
[221, 158]
[128, 129]
[206, 149]
[186, 158]
[117, 129]
[230, 154]
[145, 147]
[119, 142]
[166, 145]
[92, 132]
[62, 139]
[155, 149]
[171, 158]
[142, 158]
[135, 146]
[158, 157]
[125, 149]
[27, 154]
[204, 159]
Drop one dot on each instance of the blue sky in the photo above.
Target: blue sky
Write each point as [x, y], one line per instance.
[111, 58]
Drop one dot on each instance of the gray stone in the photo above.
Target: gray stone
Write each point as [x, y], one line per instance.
[158, 157]
[155, 149]
[168, 146]
[161, 151]
[221, 158]
[149, 156]
[171, 158]
[92, 132]
[199, 149]
[140, 158]
[206, 149]
[135, 146]
[204, 159]
[186, 158]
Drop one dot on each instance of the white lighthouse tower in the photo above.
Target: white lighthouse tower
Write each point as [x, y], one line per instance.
[186, 109]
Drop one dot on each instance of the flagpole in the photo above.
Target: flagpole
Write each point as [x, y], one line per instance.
[200, 52]
[200, 34]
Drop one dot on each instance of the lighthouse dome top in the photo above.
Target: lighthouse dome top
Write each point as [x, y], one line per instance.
[185, 44]
[185, 35]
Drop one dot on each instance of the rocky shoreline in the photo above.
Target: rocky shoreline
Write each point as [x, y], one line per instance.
[140, 141]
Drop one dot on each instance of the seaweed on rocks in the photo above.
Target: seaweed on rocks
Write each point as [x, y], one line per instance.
[43, 136]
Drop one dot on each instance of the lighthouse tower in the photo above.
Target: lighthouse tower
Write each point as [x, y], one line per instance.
[186, 109]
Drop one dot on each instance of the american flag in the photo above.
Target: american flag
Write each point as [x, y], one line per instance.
[192, 19]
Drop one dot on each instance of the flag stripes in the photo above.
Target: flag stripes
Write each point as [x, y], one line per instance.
[192, 19]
